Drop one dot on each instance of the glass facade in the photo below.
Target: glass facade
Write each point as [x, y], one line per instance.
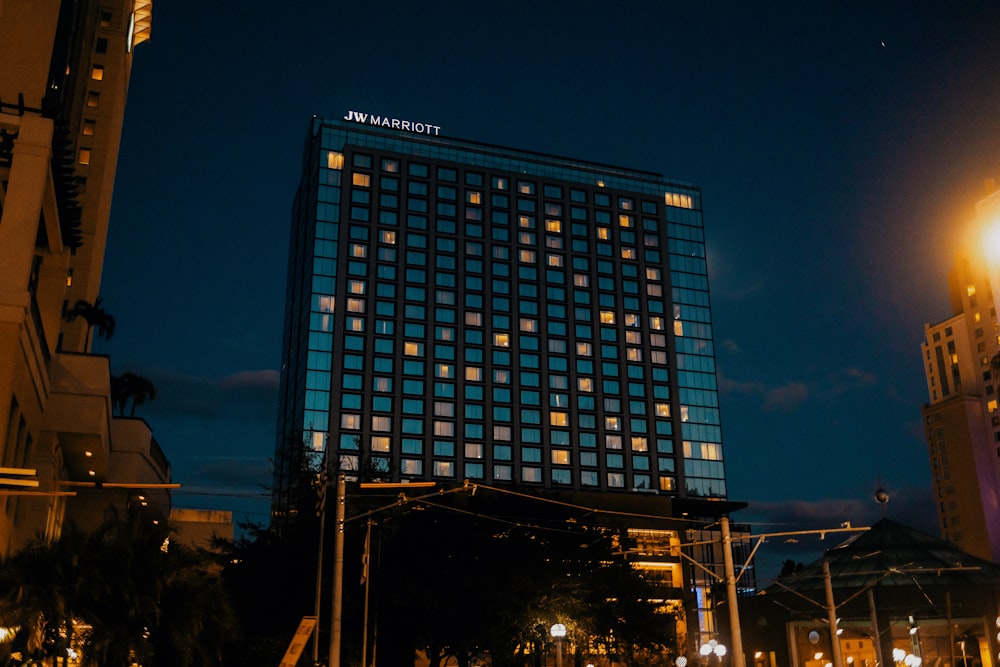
[464, 311]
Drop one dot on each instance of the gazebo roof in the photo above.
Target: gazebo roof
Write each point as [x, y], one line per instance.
[891, 554]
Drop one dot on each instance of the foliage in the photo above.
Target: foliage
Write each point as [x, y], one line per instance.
[458, 582]
[131, 387]
[94, 315]
[122, 594]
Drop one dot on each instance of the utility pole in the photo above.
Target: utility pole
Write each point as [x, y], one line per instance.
[831, 616]
[739, 659]
[338, 575]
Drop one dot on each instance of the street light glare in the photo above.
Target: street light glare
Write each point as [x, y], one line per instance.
[991, 243]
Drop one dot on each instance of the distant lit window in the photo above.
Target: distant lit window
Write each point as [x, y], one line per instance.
[444, 469]
[381, 443]
[553, 226]
[586, 384]
[444, 370]
[501, 339]
[584, 349]
[356, 305]
[625, 220]
[93, 99]
[356, 286]
[474, 374]
[334, 160]
[581, 280]
[351, 422]
[607, 317]
[656, 323]
[560, 457]
[473, 197]
[639, 444]
[528, 324]
[387, 236]
[603, 233]
[412, 349]
[359, 250]
[559, 419]
[381, 423]
[361, 180]
[474, 319]
[527, 256]
[612, 424]
[84, 157]
[500, 183]
[97, 72]
[89, 127]
[628, 252]
[391, 166]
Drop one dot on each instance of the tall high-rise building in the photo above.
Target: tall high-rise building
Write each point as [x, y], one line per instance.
[961, 358]
[457, 311]
[63, 85]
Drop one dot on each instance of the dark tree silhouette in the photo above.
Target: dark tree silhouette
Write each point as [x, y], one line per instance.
[95, 316]
[130, 387]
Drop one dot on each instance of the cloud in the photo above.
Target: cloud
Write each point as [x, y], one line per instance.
[248, 394]
[913, 507]
[785, 397]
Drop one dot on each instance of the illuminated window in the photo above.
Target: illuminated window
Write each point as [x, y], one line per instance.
[84, 156]
[381, 423]
[501, 376]
[526, 188]
[554, 260]
[625, 220]
[633, 354]
[444, 428]
[502, 433]
[628, 253]
[444, 409]
[350, 421]
[362, 180]
[527, 238]
[473, 450]
[501, 339]
[652, 289]
[474, 197]
[444, 370]
[678, 328]
[351, 323]
[584, 349]
[381, 443]
[444, 469]
[585, 384]
[93, 99]
[603, 233]
[581, 280]
[553, 226]
[334, 160]
[631, 320]
[474, 374]
[392, 166]
[658, 357]
[359, 250]
[413, 349]
[607, 317]
[613, 441]
[527, 256]
[88, 128]
[382, 384]
[500, 183]
[97, 72]
[553, 242]
[626, 204]
[656, 323]
[529, 324]
[326, 304]
[474, 319]
[560, 457]
[612, 423]
[526, 221]
[356, 286]
[652, 274]
[678, 200]
[662, 409]
[559, 419]
[356, 305]
[684, 413]
[387, 236]
[639, 444]
[633, 337]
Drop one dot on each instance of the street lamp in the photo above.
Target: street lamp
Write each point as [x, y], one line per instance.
[558, 632]
[712, 648]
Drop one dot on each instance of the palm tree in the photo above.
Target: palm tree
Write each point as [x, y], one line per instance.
[95, 316]
[131, 386]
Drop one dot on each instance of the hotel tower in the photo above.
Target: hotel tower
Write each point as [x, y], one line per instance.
[460, 311]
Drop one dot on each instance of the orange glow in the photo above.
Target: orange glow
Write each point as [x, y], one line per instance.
[991, 244]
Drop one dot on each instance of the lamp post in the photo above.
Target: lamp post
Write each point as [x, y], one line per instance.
[558, 632]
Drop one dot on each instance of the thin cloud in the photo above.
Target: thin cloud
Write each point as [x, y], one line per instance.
[250, 394]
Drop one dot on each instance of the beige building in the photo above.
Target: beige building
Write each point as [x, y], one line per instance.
[63, 88]
[962, 419]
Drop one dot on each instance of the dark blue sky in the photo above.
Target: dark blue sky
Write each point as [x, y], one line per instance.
[840, 147]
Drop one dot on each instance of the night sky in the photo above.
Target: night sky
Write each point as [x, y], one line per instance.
[840, 148]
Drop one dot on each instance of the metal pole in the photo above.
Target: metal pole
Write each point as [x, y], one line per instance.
[739, 659]
[831, 615]
[559, 641]
[364, 624]
[324, 480]
[876, 633]
[319, 584]
[338, 575]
